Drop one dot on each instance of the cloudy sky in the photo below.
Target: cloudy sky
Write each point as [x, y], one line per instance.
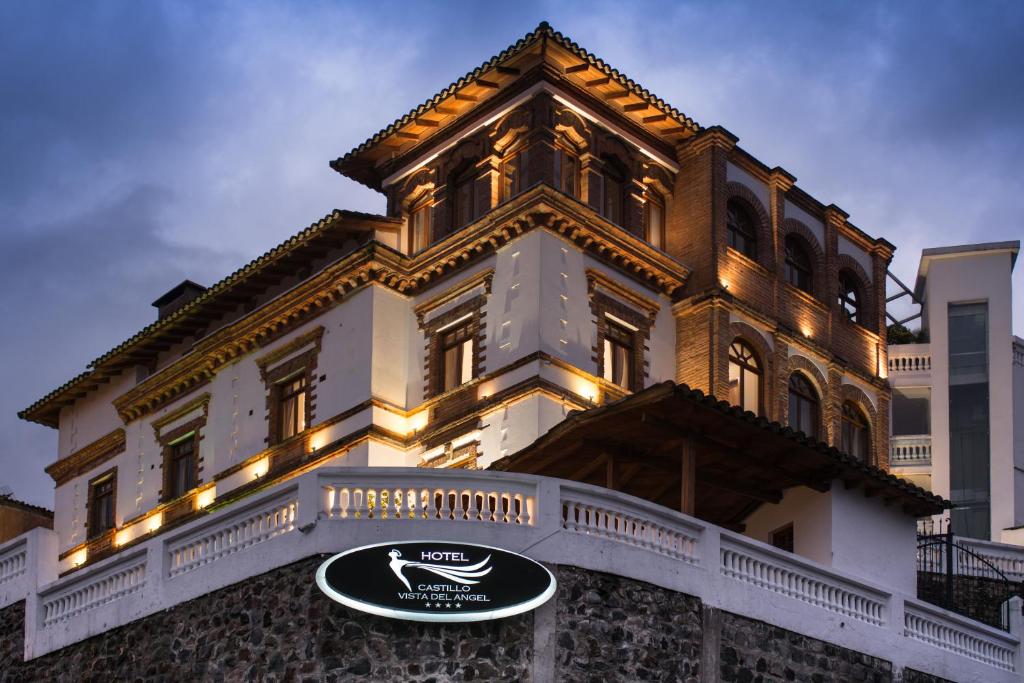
[146, 142]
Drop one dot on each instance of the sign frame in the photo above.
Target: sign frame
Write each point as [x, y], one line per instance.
[439, 617]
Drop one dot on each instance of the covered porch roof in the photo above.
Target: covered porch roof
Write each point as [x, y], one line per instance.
[677, 447]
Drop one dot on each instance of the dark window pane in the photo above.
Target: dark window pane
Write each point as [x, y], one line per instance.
[798, 264]
[911, 411]
[741, 233]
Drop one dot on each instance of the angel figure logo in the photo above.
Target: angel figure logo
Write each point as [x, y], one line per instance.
[466, 575]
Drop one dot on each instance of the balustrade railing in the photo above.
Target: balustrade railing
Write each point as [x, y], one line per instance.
[908, 358]
[910, 450]
[444, 497]
[635, 524]
[226, 536]
[961, 637]
[112, 582]
[13, 562]
[803, 582]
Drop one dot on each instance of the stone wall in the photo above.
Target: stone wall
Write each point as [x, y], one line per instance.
[599, 627]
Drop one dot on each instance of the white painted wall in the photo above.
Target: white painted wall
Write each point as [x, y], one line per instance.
[845, 246]
[810, 513]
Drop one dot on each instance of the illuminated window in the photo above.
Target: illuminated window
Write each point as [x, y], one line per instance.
[291, 406]
[619, 346]
[742, 235]
[456, 355]
[181, 460]
[855, 438]
[798, 264]
[804, 405]
[744, 378]
[419, 227]
[566, 172]
[102, 491]
[849, 296]
[654, 223]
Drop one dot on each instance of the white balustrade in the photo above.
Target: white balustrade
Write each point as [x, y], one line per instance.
[910, 358]
[13, 562]
[431, 495]
[223, 537]
[95, 588]
[634, 523]
[960, 636]
[910, 450]
[791, 577]
[1008, 559]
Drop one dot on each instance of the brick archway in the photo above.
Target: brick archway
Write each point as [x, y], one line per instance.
[792, 226]
[746, 196]
[856, 396]
[811, 371]
[755, 339]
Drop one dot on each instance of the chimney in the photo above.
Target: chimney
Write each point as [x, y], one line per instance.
[177, 297]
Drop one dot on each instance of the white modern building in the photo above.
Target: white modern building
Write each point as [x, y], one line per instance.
[958, 395]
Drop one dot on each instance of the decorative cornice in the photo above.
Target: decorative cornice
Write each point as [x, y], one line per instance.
[85, 459]
[596, 278]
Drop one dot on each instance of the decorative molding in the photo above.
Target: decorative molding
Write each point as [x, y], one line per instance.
[85, 459]
[484, 278]
[202, 401]
[314, 337]
[596, 278]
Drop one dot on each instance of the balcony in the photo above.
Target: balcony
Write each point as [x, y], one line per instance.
[910, 362]
[551, 520]
[907, 451]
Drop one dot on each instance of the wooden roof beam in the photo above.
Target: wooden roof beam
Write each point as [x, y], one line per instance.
[617, 95]
[508, 70]
[462, 97]
[487, 84]
[636, 106]
[655, 118]
[604, 80]
[428, 123]
[577, 68]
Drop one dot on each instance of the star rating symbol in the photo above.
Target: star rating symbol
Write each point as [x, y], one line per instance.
[458, 606]
[426, 604]
[437, 604]
[448, 605]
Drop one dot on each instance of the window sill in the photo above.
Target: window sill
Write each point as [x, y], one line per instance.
[751, 262]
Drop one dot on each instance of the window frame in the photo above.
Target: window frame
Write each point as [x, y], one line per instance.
[850, 284]
[755, 369]
[462, 333]
[420, 208]
[566, 173]
[96, 528]
[607, 309]
[736, 206]
[654, 199]
[784, 538]
[619, 337]
[171, 459]
[851, 417]
[470, 313]
[282, 395]
[811, 396]
[796, 272]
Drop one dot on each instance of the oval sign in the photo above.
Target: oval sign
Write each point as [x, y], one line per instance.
[435, 581]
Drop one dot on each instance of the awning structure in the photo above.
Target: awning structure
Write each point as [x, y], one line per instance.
[677, 447]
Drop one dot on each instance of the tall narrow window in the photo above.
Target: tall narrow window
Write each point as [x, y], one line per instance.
[618, 355]
[182, 461]
[744, 378]
[101, 504]
[611, 200]
[798, 264]
[465, 200]
[783, 538]
[655, 220]
[566, 172]
[456, 356]
[804, 405]
[419, 227]
[514, 174]
[741, 233]
[855, 438]
[291, 400]
[849, 297]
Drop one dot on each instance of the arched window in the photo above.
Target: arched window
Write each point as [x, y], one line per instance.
[607, 191]
[855, 439]
[740, 224]
[744, 378]
[849, 296]
[419, 224]
[467, 203]
[804, 405]
[798, 264]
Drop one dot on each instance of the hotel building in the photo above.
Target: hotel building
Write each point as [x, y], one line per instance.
[585, 329]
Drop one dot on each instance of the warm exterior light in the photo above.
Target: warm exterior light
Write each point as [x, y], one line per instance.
[725, 284]
[205, 498]
[154, 522]
[260, 467]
